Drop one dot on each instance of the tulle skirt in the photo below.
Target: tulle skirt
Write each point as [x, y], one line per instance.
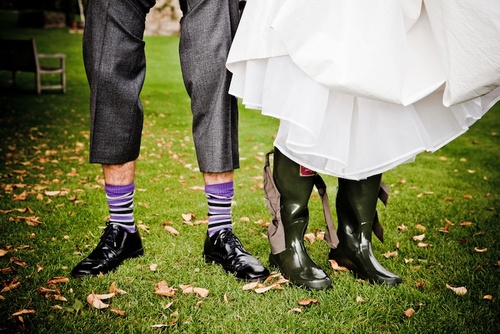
[361, 87]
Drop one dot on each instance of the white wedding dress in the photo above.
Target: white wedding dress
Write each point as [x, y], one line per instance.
[362, 86]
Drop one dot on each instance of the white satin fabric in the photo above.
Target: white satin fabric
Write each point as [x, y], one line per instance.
[362, 86]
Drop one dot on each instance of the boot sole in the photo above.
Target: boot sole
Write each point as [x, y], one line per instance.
[310, 285]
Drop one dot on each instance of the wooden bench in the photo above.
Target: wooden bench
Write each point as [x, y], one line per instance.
[21, 56]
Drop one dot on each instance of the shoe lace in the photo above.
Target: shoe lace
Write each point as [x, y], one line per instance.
[108, 237]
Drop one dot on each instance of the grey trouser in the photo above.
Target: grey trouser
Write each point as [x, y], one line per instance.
[113, 50]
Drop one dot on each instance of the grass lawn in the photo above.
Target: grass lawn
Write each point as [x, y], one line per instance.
[52, 208]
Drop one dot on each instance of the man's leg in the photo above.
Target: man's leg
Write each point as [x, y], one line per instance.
[114, 59]
[207, 29]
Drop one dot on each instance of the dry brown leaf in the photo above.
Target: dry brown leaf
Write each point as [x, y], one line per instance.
[174, 315]
[153, 267]
[3, 252]
[45, 291]
[402, 227]
[423, 245]
[171, 230]
[420, 227]
[390, 254]
[21, 197]
[244, 219]
[23, 311]
[448, 199]
[418, 237]
[359, 299]
[163, 289]
[310, 237]
[420, 284]
[57, 297]
[266, 288]
[168, 305]
[488, 297]
[295, 310]
[187, 216]
[459, 291]
[189, 289]
[409, 312]
[53, 193]
[198, 304]
[408, 261]
[480, 250]
[466, 224]
[335, 266]
[226, 300]
[115, 290]
[121, 313]
[96, 302]
[13, 284]
[250, 286]
[58, 280]
[307, 302]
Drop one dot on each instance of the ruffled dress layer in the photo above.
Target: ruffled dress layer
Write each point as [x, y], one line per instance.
[361, 87]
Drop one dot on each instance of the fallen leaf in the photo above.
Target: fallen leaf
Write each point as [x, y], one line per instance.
[423, 245]
[23, 311]
[171, 230]
[466, 224]
[310, 237]
[267, 288]
[459, 291]
[409, 312]
[163, 289]
[198, 304]
[335, 266]
[359, 299]
[250, 286]
[21, 197]
[121, 313]
[17, 261]
[115, 290]
[188, 289]
[295, 310]
[11, 285]
[44, 291]
[58, 280]
[95, 302]
[480, 250]
[418, 237]
[420, 227]
[488, 297]
[187, 216]
[390, 254]
[402, 227]
[153, 267]
[307, 302]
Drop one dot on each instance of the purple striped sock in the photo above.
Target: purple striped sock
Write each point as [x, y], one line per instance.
[219, 198]
[121, 205]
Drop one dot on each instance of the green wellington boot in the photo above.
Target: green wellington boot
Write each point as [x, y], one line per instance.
[291, 217]
[356, 211]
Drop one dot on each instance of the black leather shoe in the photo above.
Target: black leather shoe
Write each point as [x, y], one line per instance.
[115, 246]
[225, 248]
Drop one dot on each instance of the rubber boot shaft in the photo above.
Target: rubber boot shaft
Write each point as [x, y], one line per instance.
[295, 190]
[356, 206]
